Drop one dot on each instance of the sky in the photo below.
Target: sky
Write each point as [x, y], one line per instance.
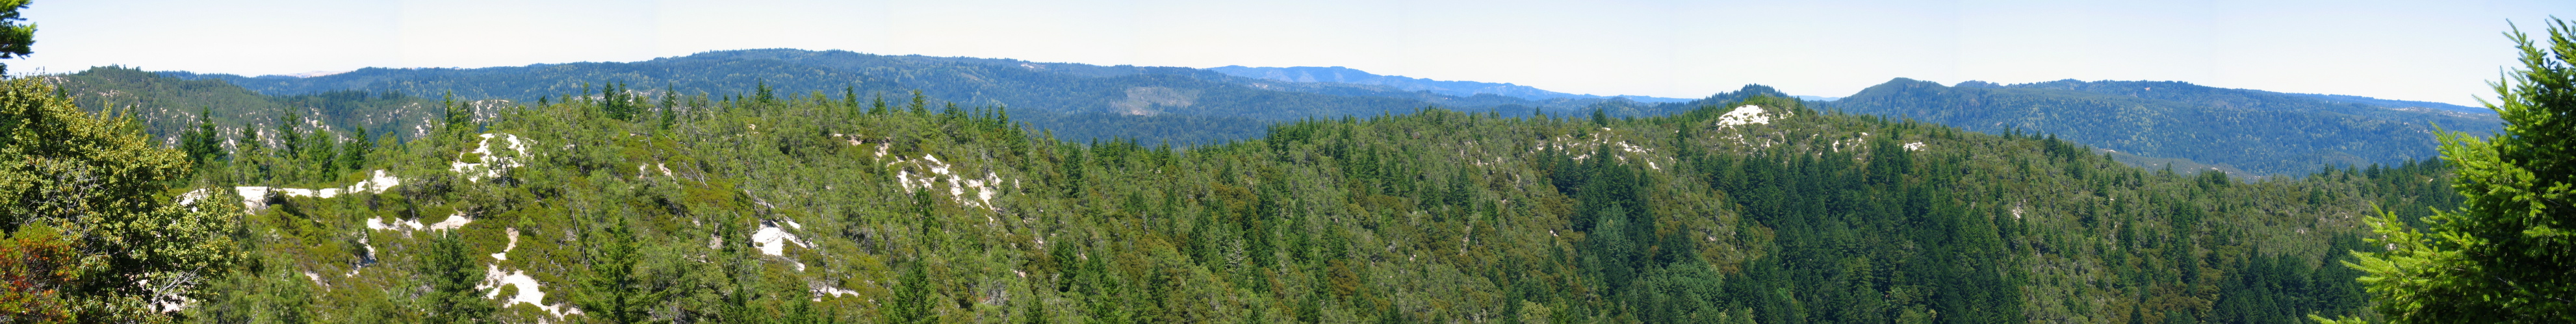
[2439, 51]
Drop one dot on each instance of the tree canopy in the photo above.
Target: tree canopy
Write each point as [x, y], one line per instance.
[2508, 254]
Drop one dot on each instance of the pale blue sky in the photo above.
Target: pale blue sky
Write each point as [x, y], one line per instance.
[2442, 51]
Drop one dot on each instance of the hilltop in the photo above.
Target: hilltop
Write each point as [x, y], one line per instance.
[1451, 88]
[2243, 132]
[2264, 133]
[832, 210]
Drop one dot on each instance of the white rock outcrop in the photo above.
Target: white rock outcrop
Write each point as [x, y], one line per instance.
[974, 192]
[484, 162]
[772, 240]
[529, 291]
[1746, 115]
[255, 198]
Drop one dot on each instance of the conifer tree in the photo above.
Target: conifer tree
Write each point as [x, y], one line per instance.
[457, 114]
[911, 302]
[611, 288]
[72, 181]
[353, 155]
[202, 143]
[878, 108]
[2508, 255]
[920, 104]
[762, 94]
[15, 39]
[452, 275]
[247, 143]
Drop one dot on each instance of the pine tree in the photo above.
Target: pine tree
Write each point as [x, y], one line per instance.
[247, 143]
[457, 114]
[452, 274]
[612, 290]
[353, 155]
[202, 143]
[15, 39]
[762, 94]
[920, 104]
[2506, 255]
[911, 302]
[878, 108]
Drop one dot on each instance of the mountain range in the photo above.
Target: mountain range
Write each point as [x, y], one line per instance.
[815, 187]
[2245, 132]
[2258, 132]
[1309, 74]
[813, 210]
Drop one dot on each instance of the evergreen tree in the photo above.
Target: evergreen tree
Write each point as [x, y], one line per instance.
[203, 144]
[911, 302]
[72, 181]
[2506, 255]
[353, 155]
[452, 274]
[612, 290]
[15, 39]
[763, 95]
[878, 108]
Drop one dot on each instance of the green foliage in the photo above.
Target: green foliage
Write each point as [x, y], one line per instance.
[2260, 132]
[1076, 101]
[170, 107]
[911, 303]
[33, 261]
[2504, 255]
[107, 190]
[15, 39]
[809, 208]
[451, 276]
[260, 293]
[203, 144]
[613, 291]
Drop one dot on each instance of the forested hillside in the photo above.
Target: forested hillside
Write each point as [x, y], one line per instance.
[1453, 88]
[2244, 132]
[799, 208]
[2262, 132]
[167, 106]
[1075, 101]
[2243, 99]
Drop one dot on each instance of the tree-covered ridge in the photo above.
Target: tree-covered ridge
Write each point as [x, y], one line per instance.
[795, 208]
[1079, 101]
[979, 81]
[1075, 101]
[1311, 74]
[2261, 132]
[2245, 99]
[168, 107]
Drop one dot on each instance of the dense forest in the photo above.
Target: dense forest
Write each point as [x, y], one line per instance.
[2249, 133]
[167, 105]
[624, 206]
[1076, 101]
[1343, 75]
[2264, 133]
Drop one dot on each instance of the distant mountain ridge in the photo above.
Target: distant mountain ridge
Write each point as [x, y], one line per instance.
[2396, 103]
[2257, 131]
[2260, 132]
[2237, 98]
[1076, 101]
[1338, 74]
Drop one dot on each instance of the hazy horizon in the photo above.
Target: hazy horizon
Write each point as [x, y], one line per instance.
[2437, 52]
